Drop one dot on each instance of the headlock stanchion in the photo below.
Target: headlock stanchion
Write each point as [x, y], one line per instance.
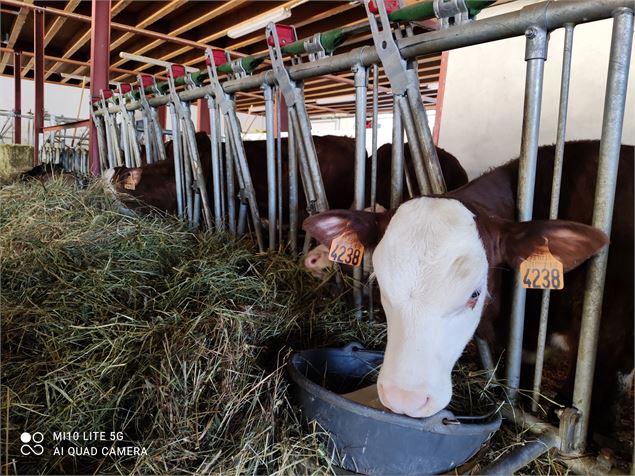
[394, 51]
[293, 92]
[193, 177]
[227, 106]
[98, 121]
[112, 135]
[131, 150]
[155, 147]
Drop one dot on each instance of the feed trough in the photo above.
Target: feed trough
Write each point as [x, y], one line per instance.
[368, 439]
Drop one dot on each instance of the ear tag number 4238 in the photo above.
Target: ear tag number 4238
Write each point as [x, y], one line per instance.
[542, 270]
[346, 249]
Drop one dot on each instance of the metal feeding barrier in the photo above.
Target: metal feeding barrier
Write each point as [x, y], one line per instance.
[396, 49]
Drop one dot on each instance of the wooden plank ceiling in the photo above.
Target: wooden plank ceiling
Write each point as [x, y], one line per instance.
[67, 41]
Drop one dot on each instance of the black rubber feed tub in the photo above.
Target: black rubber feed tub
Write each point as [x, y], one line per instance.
[372, 441]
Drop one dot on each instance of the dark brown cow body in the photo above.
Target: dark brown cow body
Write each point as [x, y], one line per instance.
[615, 348]
[491, 199]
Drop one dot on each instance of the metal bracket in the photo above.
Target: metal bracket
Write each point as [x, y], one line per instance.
[394, 65]
[313, 46]
[224, 101]
[569, 418]
[450, 12]
[237, 68]
[289, 88]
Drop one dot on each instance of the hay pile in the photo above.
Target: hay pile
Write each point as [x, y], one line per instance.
[135, 325]
[172, 341]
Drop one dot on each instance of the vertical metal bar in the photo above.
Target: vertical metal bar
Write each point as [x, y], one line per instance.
[305, 173]
[147, 139]
[555, 199]
[231, 191]
[312, 159]
[535, 56]
[99, 66]
[271, 164]
[280, 123]
[158, 133]
[178, 169]
[374, 125]
[17, 89]
[610, 142]
[397, 159]
[293, 190]
[361, 79]
[234, 135]
[424, 136]
[213, 126]
[38, 76]
[187, 172]
[416, 154]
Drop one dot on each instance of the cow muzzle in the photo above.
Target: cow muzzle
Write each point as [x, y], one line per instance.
[414, 402]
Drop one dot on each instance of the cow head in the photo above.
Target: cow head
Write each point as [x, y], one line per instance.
[432, 257]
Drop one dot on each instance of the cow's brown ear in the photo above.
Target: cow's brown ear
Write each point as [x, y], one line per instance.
[570, 242]
[368, 227]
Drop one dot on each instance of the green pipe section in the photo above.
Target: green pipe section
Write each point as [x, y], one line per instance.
[425, 10]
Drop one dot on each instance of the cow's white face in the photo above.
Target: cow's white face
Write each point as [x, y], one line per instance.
[431, 267]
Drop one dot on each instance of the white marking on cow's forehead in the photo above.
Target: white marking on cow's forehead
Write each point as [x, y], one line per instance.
[431, 251]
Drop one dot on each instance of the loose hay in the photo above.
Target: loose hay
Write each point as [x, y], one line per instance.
[113, 323]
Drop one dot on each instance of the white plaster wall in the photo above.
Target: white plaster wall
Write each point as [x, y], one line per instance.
[59, 100]
[482, 110]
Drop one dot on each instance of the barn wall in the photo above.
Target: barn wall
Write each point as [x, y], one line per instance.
[59, 100]
[482, 110]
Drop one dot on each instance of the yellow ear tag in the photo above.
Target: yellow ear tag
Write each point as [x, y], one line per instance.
[542, 270]
[347, 249]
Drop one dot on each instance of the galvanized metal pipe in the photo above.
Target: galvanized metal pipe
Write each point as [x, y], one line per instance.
[271, 164]
[397, 158]
[610, 142]
[293, 189]
[375, 119]
[553, 206]
[549, 15]
[416, 154]
[214, 125]
[187, 174]
[535, 56]
[178, 168]
[245, 175]
[305, 173]
[279, 164]
[521, 456]
[361, 80]
[229, 179]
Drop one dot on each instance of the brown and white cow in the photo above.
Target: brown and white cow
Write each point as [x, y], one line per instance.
[154, 184]
[442, 264]
[317, 262]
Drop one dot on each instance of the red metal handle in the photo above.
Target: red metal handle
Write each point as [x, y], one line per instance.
[178, 70]
[219, 57]
[146, 80]
[391, 5]
[125, 88]
[286, 35]
[107, 94]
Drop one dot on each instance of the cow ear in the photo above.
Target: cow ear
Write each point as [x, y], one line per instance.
[569, 242]
[367, 227]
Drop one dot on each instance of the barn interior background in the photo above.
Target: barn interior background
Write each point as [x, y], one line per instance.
[178, 339]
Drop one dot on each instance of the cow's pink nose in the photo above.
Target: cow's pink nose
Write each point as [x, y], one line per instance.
[311, 261]
[412, 402]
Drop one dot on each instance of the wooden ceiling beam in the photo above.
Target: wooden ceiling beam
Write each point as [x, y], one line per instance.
[52, 31]
[165, 9]
[83, 37]
[20, 19]
[167, 54]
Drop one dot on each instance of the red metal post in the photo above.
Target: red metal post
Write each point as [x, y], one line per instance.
[162, 116]
[202, 115]
[17, 107]
[99, 64]
[38, 120]
[438, 108]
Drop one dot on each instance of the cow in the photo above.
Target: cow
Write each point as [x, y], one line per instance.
[316, 260]
[442, 265]
[154, 184]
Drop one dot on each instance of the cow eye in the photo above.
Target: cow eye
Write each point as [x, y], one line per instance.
[471, 303]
